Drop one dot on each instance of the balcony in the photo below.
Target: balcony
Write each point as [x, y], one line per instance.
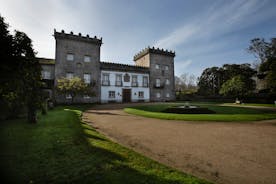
[145, 85]
[158, 85]
[134, 84]
[118, 83]
[105, 83]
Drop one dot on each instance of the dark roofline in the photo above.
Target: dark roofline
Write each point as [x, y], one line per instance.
[78, 37]
[123, 67]
[153, 51]
[46, 61]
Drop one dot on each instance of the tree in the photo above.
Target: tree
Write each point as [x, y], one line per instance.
[212, 79]
[234, 87]
[243, 70]
[73, 87]
[20, 73]
[178, 83]
[30, 73]
[266, 54]
[269, 70]
[259, 48]
[185, 83]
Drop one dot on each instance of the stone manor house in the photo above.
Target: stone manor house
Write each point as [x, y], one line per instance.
[150, 79]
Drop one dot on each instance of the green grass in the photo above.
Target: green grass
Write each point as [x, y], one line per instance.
[62, 149]
[252, 104]
[223, 113]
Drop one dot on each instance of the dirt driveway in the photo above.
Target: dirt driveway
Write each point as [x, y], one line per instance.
[219, 152]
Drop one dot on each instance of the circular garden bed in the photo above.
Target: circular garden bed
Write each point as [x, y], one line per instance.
[202, 112]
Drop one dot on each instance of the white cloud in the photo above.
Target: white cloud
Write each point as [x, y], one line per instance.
[218, 20]
[178, 36]
[180, 67]
[39, 18]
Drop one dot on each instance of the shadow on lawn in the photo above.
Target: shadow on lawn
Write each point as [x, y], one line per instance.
[62, 149]
[103, 165]
[101, 113]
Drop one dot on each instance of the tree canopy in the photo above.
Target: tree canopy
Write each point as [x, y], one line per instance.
[73, 87]
[212, 79]
[185, 82]
[20, 73]
[234, 87]
[266, 54]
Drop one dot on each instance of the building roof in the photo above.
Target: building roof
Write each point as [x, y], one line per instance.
[78, 37]
[46, 61]
[123, 67]
[153, 51]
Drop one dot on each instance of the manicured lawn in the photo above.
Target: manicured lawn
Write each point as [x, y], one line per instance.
[62, 149]
[251, 104]
[223, 113]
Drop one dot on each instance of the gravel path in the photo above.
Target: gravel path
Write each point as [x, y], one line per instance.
[220, 152]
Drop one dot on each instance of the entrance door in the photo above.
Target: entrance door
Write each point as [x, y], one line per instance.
[126, 95]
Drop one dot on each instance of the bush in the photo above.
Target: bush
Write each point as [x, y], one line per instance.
[197, 110]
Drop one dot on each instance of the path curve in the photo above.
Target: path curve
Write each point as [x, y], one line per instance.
[221, 152]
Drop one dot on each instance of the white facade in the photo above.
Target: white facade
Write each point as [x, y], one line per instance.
[114, 91]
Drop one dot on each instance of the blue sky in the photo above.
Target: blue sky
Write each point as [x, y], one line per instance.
[203, 33]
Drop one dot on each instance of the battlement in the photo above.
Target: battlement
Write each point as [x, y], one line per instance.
[77, 37]
[154, 51]
[123, 67]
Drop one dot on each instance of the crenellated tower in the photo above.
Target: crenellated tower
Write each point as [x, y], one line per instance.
[161, 66]
[78, 55]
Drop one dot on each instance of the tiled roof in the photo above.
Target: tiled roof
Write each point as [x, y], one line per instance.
[123, 67]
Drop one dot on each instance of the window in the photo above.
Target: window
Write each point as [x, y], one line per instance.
[166, 67]
[87, 78]
[157, 83]
[145, 81]
[141, 94]
[167, 95]
[86, 96]
[157, 66]
[105, 81]
[167, 82]
[45, 74]
[68, 96]
[126, 78]
[111, 94]
[79, 65]
[70, 57]
[69, 75]
[158, 95]
[118, 80]
[134, 81]
[87, 59]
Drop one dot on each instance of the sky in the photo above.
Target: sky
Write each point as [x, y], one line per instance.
[203, 33]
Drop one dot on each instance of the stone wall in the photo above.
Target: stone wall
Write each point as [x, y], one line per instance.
[162, 74]
[165, 60]
[79, 46]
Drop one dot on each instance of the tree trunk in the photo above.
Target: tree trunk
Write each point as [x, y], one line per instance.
[44, 107]
[32, 118]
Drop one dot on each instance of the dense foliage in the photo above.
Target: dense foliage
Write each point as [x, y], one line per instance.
[212, 79]
[265, 52]
[73, 87]
[234, 87]
[20, 74]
